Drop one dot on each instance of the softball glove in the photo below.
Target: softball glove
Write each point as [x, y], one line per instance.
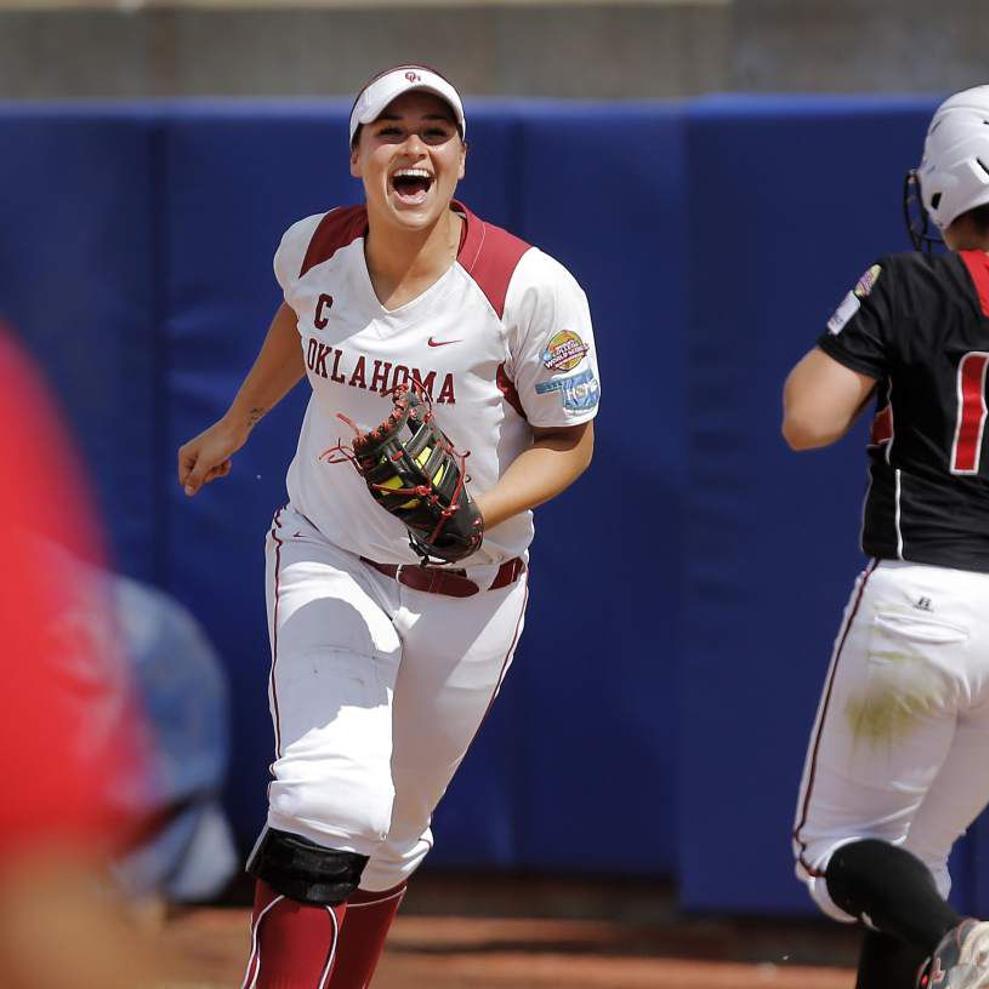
[413, 472]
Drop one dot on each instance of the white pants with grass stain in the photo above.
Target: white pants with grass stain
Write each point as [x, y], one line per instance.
[900, 745]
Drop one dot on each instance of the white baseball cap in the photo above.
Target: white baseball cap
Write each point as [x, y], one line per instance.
[386, 86]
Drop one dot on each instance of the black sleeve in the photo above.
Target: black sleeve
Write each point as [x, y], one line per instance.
[858, 334]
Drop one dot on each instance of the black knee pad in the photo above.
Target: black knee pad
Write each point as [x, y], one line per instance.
[304, 871]
[892, 889]
[863, 871]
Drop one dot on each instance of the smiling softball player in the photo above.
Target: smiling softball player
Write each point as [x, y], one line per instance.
[453, 366]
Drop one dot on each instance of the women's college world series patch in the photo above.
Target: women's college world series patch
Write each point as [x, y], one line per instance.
[852, 302]
[866, 283]
[564, 351]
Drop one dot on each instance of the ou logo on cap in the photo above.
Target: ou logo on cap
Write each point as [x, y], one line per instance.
[413, 77]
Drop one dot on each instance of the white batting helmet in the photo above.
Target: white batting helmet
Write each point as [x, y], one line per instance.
[954, 172]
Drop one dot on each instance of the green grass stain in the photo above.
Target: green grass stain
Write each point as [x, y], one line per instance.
[901, 691]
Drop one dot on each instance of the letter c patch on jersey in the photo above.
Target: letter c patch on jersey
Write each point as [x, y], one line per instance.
[321, 320]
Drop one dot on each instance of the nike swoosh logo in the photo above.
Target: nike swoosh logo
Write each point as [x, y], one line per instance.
[441, 343]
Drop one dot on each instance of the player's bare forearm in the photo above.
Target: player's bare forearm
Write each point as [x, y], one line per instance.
[277, 369]
[555, 460]
[821, 400]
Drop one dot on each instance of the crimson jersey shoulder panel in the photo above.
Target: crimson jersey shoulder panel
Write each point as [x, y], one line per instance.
[490, 256]
[337, 229]
[977, 263]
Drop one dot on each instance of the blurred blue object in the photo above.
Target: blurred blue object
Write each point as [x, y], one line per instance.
[190, 855]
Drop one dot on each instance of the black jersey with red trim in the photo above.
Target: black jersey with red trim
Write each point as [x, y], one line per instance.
[920, 326]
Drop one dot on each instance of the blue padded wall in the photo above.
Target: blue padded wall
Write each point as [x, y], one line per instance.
[655, 720]
[790, 200]
[77, 281]
[598, 661]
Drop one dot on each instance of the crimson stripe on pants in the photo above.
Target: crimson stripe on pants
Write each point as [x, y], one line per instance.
[274, 635]
[819, 727]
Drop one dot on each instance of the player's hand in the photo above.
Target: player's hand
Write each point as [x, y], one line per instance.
[207, 456]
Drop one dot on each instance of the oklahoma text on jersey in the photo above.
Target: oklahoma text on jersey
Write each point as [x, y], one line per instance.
[382, 376]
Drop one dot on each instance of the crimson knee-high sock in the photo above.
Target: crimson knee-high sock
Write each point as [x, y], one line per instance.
[293, 945]
[369, 916]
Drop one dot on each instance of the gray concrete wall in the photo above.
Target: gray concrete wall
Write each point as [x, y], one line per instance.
[663, 48]
[859, 45]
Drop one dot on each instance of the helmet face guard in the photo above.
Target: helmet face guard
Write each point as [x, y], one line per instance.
[923, 234]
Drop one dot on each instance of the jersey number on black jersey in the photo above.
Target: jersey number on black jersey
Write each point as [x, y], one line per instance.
[966, 451]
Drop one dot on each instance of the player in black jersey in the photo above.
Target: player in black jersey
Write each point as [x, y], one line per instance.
[898, 762]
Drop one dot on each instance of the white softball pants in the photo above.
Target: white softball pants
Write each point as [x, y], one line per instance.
[900, 746]
[376, 692]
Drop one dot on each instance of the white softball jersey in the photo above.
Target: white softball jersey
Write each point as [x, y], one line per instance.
[502, 342]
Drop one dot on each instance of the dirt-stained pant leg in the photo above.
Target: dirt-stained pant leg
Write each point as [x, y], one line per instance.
[335, 657]
[904, 707]
[456, 653]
